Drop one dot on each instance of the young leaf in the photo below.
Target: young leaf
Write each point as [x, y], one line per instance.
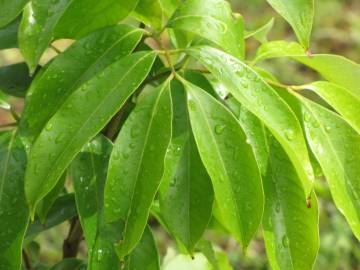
[88, 172]
[9, 10]
[260, 99]
[145, 255]
[336, 146]
[149, 12]
[186, 194]
[335, 68]
[42, 19]
[82, 61]
[300, 15]
[80, 118]
[344, 101]
[13, 209]
[230, 163]
[261, 33]
[8, 35]
[213, 20]
[137, 165]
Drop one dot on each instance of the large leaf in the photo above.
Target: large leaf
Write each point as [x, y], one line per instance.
[213, 20]
[150, 12]
[14, 79]
[259, 98]
[230, 163]
[82, 61]
[137, 165]
[9, 10]
[145, 255]
[88, 172]
[13, 209]
[334, 68]
[336, 146]
[290, 228]
[43, 19]
[186, 194]
[341, 99]
[79, 119]
[300, 14]
[8, 35]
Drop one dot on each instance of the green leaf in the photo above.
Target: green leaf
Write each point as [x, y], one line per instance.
[259, 98]
[14, 79]
[43, 19]
[149, 12]
[81, 62]
[341, 99]
[262, 32]
[69, 264]
[137, 165]
[88, 172]
[335, 145]
[80, 118]
[8, 35]
[186, 194]
[13, 209]
[9, 10]
[300, 15]
[145, 255]
[290, 228]
[213, 20]
[335, 68]
[169, 6]
[255, 132]
[230, 163]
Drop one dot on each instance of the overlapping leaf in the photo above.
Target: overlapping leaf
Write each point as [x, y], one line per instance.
[9, 10]
[137, 165]
[230, 163]
[82, 61]
[80, 118]
[8, 35]
[260, 99]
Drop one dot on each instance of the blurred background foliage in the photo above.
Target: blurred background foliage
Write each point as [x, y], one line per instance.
[337, 31]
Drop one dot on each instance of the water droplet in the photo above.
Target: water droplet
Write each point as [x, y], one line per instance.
[307, 117]
[134, 132]
[219, 129]
[285, 241]
[49, 127]
[277, 207]
[289, 134]
[328, 129]
[100, 254]
[248, 141]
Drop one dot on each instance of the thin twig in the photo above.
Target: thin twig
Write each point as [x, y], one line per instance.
[8, 125]
[55, 49]
[27, 261]
[72, 242]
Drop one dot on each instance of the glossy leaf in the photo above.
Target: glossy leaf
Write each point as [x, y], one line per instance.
[260, 99]
[42, 20]
[169, 6]
[82, 61]
[213, 20]
[9, 10]
[230, 163]
[335, 145]
[88, 172]
[290, 228]
[300, 15]
[14, 79]
[186, 193]
[137, 165]
[93, 104]
[335, 68]
[344, 101]
[145, 255]
[13, 209]
[8, 35]
[149, 12]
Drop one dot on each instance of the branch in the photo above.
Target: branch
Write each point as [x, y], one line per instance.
[72, 242]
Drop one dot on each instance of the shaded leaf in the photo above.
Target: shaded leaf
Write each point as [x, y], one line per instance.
[14, 79]
[8, 35]
[223, 150]
[88, 110]
[137, 165]
[9, 10]
[149, 12]
[69, 264]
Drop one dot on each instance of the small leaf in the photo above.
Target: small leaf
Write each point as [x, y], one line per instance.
[149, 12]
[261, 33]
[80, 118]
[8, 35]
[79, 63]
[13, 209]
[137, 165]
[259, 98]
[223, 150]
[145, 255]
[213, 20]
[336, 146]
[9, 10]
[186, 194]
[291, 230]
[335, 68]
[14, 79]
[300, 15]
[341, 99]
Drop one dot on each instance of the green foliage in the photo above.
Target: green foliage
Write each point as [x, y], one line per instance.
[157, 119]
